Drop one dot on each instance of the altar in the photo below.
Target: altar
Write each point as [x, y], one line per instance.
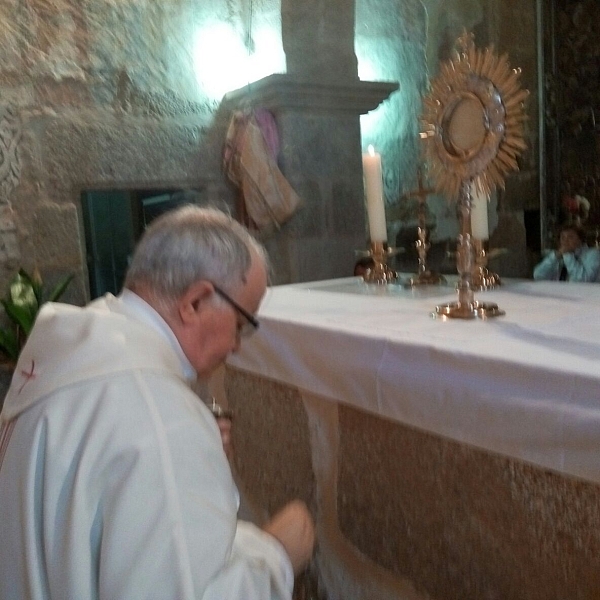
[442, 458]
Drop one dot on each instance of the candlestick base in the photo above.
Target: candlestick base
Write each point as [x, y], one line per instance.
[482, 277]
[424, 275]
[468, 310]
[427, 278]
[380, 272]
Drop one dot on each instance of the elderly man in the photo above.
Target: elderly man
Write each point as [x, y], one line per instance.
[113, 479]
[572, 261]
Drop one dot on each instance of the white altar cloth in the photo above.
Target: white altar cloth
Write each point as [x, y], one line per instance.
[525, 385]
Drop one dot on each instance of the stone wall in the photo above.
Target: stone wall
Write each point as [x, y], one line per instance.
[107, 94]
[95, 95]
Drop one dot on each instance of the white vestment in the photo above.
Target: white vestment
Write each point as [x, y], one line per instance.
[113, 480]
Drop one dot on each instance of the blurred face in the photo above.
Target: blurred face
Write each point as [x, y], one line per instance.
[569, 240]
[212, 326]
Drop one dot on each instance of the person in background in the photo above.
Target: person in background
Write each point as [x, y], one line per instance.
[114, 483]
[572, 261]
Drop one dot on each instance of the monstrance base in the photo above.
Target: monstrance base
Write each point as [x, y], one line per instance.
[468, 310]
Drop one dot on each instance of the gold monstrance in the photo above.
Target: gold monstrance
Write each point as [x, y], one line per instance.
[473, 118]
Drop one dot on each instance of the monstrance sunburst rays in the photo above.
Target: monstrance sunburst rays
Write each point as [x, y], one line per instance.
[485, 80]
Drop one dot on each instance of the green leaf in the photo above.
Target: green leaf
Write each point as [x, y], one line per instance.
[22, 293]
[35, 280]
[20, 315]
[22, 304]
[60, 288]
[9, 344]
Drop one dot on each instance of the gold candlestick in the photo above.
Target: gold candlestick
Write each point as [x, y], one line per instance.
[466, 307]
[380, 272]
[424, 275]
[483, 278]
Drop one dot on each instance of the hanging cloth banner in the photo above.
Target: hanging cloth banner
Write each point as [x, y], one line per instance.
[250, 163]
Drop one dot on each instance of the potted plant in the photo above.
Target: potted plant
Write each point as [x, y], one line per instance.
[25, 296]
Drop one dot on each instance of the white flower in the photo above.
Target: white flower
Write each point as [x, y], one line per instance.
[583, 202]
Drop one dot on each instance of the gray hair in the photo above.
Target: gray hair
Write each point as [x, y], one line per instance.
[190, 244]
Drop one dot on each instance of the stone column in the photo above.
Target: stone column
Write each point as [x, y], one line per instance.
[318, 39]
[318, 104]
[321, 158]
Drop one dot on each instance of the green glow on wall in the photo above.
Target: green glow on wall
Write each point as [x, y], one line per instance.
[370, 69]
[388, 49]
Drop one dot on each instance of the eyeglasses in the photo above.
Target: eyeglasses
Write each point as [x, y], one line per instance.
[251, 324]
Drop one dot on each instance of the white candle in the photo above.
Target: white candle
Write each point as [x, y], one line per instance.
[374, 196]
[479, 214]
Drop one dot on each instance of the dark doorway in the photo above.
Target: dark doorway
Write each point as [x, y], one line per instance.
[113, 221]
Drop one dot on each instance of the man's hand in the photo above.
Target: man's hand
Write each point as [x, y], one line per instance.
[569, 242]
[224, 424]
[294, 528]
[224, 419]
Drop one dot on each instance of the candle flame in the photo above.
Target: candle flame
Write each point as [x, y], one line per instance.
[371, 150]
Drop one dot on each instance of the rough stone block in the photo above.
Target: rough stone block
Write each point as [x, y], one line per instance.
[55, 240]
[9, 243]
[271, 442]
[461, 523]
[126, 153]
[316, 259]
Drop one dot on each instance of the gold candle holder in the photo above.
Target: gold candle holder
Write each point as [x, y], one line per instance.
[380, 272]
[466, 307]
[424, 275]
[483, 278]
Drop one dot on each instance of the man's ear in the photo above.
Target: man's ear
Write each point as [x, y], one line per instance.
[193, 300]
